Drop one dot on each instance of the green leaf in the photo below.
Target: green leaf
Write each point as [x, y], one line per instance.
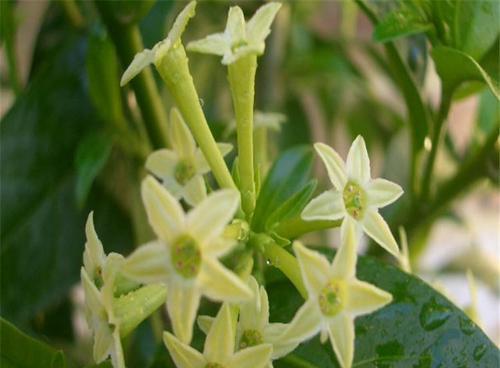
[42, 230]
[420, 328]
[456, 67]
[22, 351]
[288, 175]
[405, 22]
[91, 156]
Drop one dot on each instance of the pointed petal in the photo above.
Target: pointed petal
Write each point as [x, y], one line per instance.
[253, 357]
[202, 164]
[259, 27]
[184, 356]
[334, 165]
[305, 324]
[341, 331]
[182, 305]
[218, 247]
[92, 296]
[181, 22]
[195, 190]
[250, 310]
[164, 213]
[180, 136]
[272, 335]
[364, 298]
[218, 283]
[205, 323]
[264, 308]
[148, 263]
[219, 344]
[358, 162]
[327, 206]
[314, 268]
[162, 163]
[140, 61]
[208, 219]
[344, 263]
[376, 227]
[103, 343]
[93, 256]
[117, 357]
[216, 44]
[235, 27]
[381, 192]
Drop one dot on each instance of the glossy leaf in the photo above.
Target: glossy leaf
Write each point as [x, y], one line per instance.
[22, 351]
[420, 328]
[288, 175]
[405, 22]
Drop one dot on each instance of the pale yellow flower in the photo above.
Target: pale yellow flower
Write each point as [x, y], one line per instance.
[335, 298]
[218, 351]
[356, 195]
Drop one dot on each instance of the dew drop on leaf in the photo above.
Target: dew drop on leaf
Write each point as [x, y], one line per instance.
[433, 315]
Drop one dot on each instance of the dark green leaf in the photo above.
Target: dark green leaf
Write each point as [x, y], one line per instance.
[288, 175]
[420, 328]
[401, 23]
[22, 351]
[91, 156]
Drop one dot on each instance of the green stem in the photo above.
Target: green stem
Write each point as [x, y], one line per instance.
[128, 42]
[281, 259]
[437, 134]
[242, 81]
[174, 69]
[261, 159]
[295, 227]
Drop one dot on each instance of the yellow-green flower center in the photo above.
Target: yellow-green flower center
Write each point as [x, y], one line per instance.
[332, 297]
[186, 256]
[184, 171]
[354, 200]
[237, 44]
[214, 365]
[250, 338]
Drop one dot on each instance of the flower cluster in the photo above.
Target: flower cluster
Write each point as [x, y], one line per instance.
[189, 257]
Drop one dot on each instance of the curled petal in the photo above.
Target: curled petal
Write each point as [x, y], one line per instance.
[140, 61]
[327, 206]
[358, 162]
[381, 192]
[334, 165]
[181, 22]
[259, 26]
[376, 227]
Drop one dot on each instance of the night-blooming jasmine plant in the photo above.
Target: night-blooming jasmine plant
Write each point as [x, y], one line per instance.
[253, 326]
[356, 195]
[334, 298]
[181, 168]
[185, 257]
[219, 348]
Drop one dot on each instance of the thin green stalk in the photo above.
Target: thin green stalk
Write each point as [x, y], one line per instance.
[295, 227]
[174, 69]
[437, 134]
[242, 81]
[260, 154]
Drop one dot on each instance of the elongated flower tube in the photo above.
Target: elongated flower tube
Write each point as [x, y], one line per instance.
[218, 351]
[181, 169]
[240, 44]
[253, 327]
[335, 298]
[356, 196]
[185, 256]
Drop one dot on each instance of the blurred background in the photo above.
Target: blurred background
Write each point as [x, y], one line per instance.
[61, 156]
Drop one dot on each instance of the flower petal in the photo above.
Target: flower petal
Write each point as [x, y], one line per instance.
[204, 323]
[208, 219]
[376, 227]
[219, 344]
[272, 335]
[195, 190]
[180, 136]
[358, 162]
[93, 256]
[181, 22]
[334, 165]
[147, 264]
[251, 309]
[164, 213]
[344, 263]
[218, 283]
[161, 163]
[103, 342]
[235, 27]
[314, 268]
[341, 331]
[182, 305]
[184, 356]
[216, 44]
[305, 324]
[327, 206]
[259, 26]
[381, 192]
[254, 357]
[364, 298]
[252, 48]
[140, 61]
[201, 162]
[92, 296]
[218, 247]
[117, 351]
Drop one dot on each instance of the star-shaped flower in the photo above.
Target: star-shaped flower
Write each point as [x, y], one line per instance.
[218, 351]
[186, 252]
[239, 39]
[181, 169]
[335, 298]
[356, 195]
[147, 56]
[253, 327]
